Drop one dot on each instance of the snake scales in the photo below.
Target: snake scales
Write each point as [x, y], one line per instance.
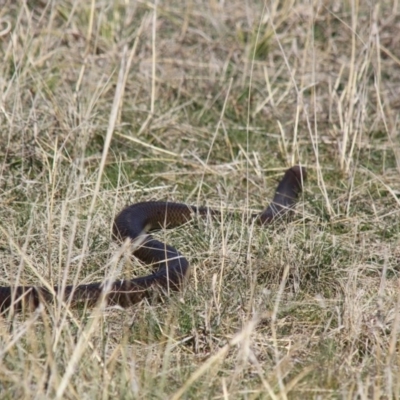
[170, 267]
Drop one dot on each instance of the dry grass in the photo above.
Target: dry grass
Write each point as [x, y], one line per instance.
[107, 103]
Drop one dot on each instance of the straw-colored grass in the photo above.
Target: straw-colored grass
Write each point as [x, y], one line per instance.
[105, 103]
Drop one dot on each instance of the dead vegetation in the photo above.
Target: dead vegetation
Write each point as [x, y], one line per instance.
[107, 103]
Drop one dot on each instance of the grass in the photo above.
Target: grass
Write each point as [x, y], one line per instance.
[108, 103]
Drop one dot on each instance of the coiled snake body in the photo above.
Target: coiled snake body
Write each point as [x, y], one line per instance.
[170, 267]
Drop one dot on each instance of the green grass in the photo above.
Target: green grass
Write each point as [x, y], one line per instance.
[219, 99]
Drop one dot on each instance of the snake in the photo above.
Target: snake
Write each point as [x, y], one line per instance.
[170, 268]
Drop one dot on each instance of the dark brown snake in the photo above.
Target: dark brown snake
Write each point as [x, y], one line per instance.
[170, 267]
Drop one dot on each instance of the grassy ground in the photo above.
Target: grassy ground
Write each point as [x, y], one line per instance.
[107, 103]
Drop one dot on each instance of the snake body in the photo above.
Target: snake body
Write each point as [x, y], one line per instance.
[170, 266]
